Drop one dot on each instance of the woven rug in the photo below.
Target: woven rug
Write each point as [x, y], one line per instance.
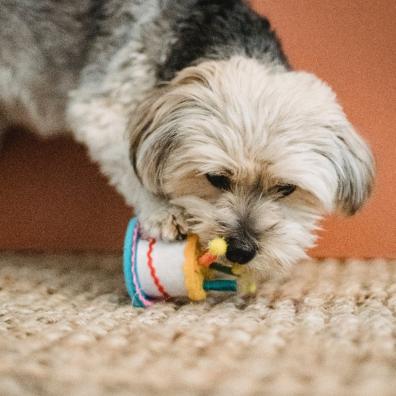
[67, 328]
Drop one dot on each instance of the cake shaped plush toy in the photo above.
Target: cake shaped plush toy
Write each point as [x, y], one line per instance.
[157, 270]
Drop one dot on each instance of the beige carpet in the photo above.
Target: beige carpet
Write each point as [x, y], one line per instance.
[66, 328]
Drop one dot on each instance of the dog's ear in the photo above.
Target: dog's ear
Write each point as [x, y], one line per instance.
[350, 158]
[153, 127]
[355, 168]
[151, 139]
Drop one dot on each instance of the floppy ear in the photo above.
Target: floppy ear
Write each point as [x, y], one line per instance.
[153, 127]
[151, 139]
[355, 169]
[347, 152]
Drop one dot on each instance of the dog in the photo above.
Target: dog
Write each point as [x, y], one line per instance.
[194, 114]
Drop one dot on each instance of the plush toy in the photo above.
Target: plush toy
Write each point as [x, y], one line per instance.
[156, 270]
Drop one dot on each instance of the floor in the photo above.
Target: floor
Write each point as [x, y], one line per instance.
[67, 328]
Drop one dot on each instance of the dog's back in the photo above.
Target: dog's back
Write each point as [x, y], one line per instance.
[42, 50]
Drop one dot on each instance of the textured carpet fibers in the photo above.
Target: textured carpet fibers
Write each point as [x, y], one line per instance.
[67, 328]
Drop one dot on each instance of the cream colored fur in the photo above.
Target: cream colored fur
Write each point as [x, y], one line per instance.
[262, 127]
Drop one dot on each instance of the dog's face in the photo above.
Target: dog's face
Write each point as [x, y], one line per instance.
[254, 155]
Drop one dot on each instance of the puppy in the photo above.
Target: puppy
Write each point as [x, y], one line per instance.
[192, 111]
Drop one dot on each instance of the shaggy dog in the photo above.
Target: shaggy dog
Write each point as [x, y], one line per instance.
[192, 111]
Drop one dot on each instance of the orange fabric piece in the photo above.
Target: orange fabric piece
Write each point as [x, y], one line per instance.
[207, 259]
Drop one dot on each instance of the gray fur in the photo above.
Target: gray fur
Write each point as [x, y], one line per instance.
[49, 48]
[41, 57]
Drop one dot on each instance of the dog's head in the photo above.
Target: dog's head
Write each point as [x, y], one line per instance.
[254, 155]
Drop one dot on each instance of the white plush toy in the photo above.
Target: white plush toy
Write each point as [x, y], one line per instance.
[156, 270]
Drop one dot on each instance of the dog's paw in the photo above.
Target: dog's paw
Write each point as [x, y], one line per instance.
[167, 223]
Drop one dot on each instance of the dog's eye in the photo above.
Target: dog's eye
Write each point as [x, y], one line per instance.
[284, 189]
[219, 181]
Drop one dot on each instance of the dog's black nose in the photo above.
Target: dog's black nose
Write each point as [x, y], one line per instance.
[239, 252]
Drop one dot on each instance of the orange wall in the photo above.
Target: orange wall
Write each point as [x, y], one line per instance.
[51, 197]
